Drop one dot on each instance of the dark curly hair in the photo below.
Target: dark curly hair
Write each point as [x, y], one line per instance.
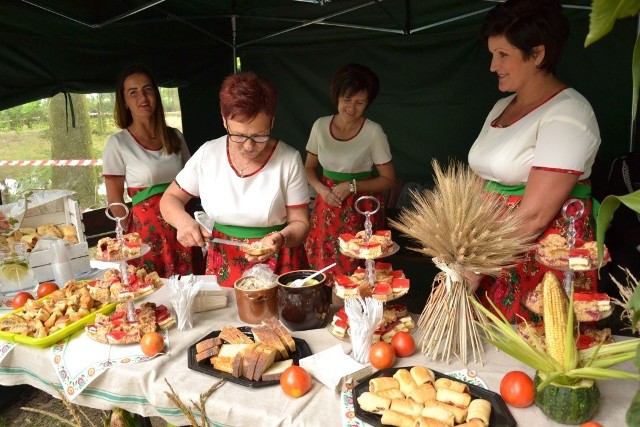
[354, 78]
[530, 23]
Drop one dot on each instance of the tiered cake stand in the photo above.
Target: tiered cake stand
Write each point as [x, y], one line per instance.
[144, 249]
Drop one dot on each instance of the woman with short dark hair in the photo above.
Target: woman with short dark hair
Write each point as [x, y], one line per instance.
[537, 146]
[346, 146]
[250, 183]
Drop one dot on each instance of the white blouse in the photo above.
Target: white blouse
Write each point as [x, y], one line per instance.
[123, 156]
[257, 200]
[561, 134]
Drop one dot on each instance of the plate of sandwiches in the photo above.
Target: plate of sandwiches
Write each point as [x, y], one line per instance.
[252, 356]
[379, 245]
[416, 395]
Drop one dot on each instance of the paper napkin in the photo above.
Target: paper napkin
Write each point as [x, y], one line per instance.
[332, 365]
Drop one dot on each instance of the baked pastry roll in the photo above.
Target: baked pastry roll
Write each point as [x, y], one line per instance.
[42, 228]
[422, 375]
[406, 381]
[423, 393]
[439, 414]
[52, 231]
[371, 402]
[454, 398]
[68, 230]
[30, 239]
[451, 385]
[383, 383]
[476, 422]
[393, 418]
[479, 409]
[407, 407]
[459, 414]
[392, 393]
[428, 422]
[27, 230]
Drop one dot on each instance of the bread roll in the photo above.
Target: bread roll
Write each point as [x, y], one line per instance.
[371, 402]
[256, 249]
[452, 385]
[43, 228]
[423, 393]
[440, 414]
[27, 230]
[68, 230]
[391, 393]
[479, 409]
[451, 397]
[428, 422]
[393, 418]
[406, 381]
[459, 414]
[53, 231]
[422, 375]
[407, 407]
[383, 383]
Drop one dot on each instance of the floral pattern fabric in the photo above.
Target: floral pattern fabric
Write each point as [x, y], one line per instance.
[328, 222]
[167, 256]
[228, 262]
[509, 291]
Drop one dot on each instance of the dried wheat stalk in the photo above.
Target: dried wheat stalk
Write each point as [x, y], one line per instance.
[626, 293]
[462, 229]
[199, 406]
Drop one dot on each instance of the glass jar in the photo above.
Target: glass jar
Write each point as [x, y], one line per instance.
[15, 273]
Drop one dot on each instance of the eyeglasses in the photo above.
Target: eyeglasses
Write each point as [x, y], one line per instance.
[240, 139]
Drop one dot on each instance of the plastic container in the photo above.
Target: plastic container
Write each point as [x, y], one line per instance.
[61, 263]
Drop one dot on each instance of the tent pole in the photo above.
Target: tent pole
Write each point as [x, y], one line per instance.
[233, 42]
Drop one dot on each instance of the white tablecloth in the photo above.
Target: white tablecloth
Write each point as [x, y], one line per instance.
[141, 388]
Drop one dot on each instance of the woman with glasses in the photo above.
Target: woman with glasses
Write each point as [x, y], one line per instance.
[146, 155]
[250, 183]
[342, 151]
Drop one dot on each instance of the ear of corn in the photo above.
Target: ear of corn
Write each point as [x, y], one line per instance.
[555, 317]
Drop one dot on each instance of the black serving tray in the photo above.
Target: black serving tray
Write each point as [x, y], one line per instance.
[500, 414]
[302, 351]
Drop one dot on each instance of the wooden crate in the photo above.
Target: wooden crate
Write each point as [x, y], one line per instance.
[61, 211]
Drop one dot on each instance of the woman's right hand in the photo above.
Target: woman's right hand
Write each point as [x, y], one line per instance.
[189, 234]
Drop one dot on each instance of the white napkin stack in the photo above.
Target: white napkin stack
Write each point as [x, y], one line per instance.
[332, 366]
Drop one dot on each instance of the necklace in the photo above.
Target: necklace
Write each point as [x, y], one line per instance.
[237, 167]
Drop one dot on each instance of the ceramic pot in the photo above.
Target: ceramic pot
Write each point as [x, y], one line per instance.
[306, 307]
[255, 304]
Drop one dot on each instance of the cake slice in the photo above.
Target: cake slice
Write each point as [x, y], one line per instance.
[382, 291]
[208, 343]
[579, 259]
[233, 335]
[267, 357]
[591, 307]
[400, 285]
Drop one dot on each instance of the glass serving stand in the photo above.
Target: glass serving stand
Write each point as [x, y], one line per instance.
[123, 266]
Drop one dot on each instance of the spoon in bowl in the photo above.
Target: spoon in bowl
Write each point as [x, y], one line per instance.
[298, 283]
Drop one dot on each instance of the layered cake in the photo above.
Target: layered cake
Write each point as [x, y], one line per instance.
[357, 245]
[553, 250]
[112, 287]
[110, 249]
[389, 283]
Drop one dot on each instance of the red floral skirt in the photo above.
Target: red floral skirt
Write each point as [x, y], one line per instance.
[167, 256]
[509, 291]
[228, 262]
[328, 222]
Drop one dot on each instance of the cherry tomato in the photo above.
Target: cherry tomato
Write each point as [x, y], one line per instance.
[516, 388]
[45, 288]
[152, 343]
[295, 381]
[381, 355]
[403, 344]
[591, 424]
[20, 299]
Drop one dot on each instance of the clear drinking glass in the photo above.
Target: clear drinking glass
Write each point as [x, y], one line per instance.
[15, 273]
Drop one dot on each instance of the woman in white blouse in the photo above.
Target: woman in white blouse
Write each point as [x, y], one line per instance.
[537, 146]
[250, 183]
[145, 156]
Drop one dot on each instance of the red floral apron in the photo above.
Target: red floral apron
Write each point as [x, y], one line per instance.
[328, 222]
[509, 291]
[167, 256]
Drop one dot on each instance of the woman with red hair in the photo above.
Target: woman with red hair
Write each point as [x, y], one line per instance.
[250, 183]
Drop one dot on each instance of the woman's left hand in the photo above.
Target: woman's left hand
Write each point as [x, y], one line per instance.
[341, 191]
[273, 241]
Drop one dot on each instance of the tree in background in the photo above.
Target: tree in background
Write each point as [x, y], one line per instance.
[72, 142]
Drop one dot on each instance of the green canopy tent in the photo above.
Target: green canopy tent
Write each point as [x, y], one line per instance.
[433, 66]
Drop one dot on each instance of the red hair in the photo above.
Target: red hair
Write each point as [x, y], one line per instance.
[245, 95]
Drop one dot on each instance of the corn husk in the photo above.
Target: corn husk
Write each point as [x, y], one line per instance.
[462, 229]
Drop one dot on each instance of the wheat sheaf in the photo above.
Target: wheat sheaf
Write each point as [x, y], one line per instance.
[462, 228]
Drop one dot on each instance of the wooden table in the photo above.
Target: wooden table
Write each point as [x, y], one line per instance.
[141, 388]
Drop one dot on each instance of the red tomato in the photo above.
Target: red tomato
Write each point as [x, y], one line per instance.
[591, 424]
[382, 355]
[295, 381]
[403, 344]
[516, 388]
[45, 288]
[20, 299]
[152, 343]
